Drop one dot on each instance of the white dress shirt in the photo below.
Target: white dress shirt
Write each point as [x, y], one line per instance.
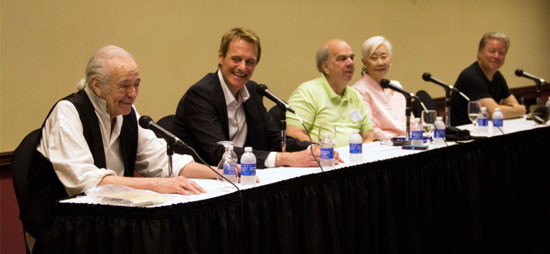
[238, 129]
[235, 113]
[63, 143]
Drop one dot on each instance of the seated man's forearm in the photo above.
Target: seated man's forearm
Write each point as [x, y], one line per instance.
[512, 111]
[197, 170]
[297, 133]
[368, 136]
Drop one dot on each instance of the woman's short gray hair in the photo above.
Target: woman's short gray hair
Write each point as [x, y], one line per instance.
[372, 43]
[97, 66]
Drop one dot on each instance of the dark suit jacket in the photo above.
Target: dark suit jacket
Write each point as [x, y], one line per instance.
[201, 121]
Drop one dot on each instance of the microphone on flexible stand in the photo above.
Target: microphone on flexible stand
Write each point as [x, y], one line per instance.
[261, 89]
[521, 73]
[448, 90]
[408, 95]
[147, 123]
[428, 77]
[538, 82]
[385, 83]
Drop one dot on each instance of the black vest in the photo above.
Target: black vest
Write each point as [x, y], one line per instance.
[37, 211]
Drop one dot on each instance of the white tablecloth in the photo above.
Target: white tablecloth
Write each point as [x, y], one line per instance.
[371, 152]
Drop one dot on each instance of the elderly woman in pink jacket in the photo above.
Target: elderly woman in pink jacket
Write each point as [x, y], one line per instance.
[385, 106]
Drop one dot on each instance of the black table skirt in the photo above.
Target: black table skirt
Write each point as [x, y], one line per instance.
[486, 196]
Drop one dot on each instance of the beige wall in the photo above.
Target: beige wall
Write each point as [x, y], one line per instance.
[45, 44]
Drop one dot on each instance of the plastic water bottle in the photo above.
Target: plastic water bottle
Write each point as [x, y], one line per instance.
[417, 132]
[229, 165]
[248, 167]
[439, 132]
[356, 147]
[327, 151]
[497, 118]
[483, 121]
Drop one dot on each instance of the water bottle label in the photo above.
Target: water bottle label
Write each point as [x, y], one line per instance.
[327, 153]
[483, 121]
[439, 133]
[497, 122]
[248, 169]
[228, 169]
[416, 135]
[356, 148]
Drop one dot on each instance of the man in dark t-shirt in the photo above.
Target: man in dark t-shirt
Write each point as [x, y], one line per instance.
[483, 82]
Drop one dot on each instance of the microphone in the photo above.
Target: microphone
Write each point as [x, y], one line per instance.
[147, 123]
[428, 77]
[521, 73]
[261, 89]
[387, 84]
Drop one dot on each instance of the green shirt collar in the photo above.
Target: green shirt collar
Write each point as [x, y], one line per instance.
[331, 94]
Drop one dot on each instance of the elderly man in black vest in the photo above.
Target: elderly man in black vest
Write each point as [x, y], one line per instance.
[92, 138]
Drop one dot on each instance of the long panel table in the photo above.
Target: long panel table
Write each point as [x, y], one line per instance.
[485, 196]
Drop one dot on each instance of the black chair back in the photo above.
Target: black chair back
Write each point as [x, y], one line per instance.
[36, 186]
[426, 99]
[166, 123]
[275, 113]
[20, 165]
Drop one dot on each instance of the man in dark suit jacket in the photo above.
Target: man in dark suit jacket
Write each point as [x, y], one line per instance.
[225, 106]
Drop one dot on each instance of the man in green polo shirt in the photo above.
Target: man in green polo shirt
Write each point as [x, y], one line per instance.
[328, 101]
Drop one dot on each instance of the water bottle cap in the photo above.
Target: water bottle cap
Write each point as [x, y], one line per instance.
[248, 149]
[497, 109]
[417, 120]
[355, 131]
[439, 118]
[230, 147]
[483, 108]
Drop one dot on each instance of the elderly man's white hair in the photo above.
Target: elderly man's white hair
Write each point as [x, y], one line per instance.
[97, 66]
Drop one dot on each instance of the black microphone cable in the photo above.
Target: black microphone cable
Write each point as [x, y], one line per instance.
[218, 174]
[494, 126]
[241, 203]
[311, 142]
[203, 162]
[439, 133]
[146, 121]
[262, 90]
[499, 129]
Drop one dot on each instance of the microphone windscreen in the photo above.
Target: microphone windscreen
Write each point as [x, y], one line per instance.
[144, 121]
[426, 76]
[384, 83]
[260, 89]
[541, 114]
[519, 72]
